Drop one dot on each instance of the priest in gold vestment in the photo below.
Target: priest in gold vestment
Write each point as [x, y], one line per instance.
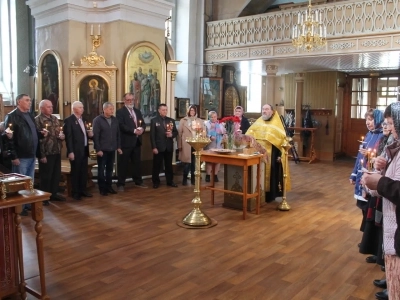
[269, 132]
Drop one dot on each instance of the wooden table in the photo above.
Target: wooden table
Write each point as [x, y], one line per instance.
[14, 203]
[236, 160]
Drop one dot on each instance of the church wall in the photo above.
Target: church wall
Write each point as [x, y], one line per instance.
[320, 91]
[72, 41]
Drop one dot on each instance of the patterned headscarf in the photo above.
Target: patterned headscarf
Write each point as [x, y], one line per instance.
[378, 118]
[395, 107]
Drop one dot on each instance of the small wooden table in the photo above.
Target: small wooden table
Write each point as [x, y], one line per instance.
[236, 160]
[14, 202]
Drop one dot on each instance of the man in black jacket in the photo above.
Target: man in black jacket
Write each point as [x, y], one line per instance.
[25, 141]
[162, 134]
[106, 138]
[132, 126]
[77, 134]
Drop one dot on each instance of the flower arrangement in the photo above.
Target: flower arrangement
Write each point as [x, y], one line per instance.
[232, 127]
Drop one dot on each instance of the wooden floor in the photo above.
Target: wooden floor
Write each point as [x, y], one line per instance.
[128, 246]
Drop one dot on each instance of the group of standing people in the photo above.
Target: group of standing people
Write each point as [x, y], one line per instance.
[377, 193]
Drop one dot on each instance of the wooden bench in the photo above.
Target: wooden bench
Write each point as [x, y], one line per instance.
[65, 181]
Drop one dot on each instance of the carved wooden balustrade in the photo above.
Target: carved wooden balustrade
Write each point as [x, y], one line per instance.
[352, 26]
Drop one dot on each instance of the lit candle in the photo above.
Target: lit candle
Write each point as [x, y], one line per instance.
[90, 126]
[9, 126]
[61, 129]
[47, 125]
[140, 123]
[362, 138]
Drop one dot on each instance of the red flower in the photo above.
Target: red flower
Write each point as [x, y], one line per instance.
[232, 119]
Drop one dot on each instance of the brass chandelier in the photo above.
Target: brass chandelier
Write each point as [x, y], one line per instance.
[309, 33]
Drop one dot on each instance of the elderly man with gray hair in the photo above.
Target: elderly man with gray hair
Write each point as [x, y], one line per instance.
[76, 138]
[107, 139]
[50, 150]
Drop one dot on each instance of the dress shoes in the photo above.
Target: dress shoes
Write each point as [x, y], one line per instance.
[46, 203]
[111, 191]
[216, 178]
[382, 295]
[76, 197]
[172, 184]
[103, 193]
[371, 259]
[141, 185]
[86, 194]
[207, 178]
[57, 198]
[156, 185]
[380, 283]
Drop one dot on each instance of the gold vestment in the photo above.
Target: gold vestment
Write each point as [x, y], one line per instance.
[268, 133]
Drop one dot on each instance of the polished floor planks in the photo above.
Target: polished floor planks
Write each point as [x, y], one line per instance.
[128, 246]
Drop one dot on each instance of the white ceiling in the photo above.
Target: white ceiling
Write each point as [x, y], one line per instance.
[350, 63]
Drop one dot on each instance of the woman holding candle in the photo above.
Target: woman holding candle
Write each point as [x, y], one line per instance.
[371, 242]
[215, 131]
[373, 121]
[385, 186]
[188, 126]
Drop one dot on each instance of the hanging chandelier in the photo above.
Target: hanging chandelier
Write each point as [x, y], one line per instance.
[309, 33]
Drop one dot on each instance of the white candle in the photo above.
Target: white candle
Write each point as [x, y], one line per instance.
[91, 29]
[99, 29]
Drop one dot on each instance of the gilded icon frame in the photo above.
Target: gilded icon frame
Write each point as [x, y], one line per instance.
[210, 96]
[49, 81]
[145, 77]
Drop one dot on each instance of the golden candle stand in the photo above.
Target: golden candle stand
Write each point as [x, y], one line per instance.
[196, 218]
[286, 145]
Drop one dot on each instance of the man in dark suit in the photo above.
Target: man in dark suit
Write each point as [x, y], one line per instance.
[76, 137]
[131, 126]
[162, 134]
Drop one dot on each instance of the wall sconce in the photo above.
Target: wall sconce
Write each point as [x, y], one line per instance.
[30, 69]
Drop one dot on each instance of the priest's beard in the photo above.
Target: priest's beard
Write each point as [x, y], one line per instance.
[267, 116]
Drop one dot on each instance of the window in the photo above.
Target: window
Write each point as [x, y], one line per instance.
[373, 92]
[360, 97]
[387, 92]
[7, 45]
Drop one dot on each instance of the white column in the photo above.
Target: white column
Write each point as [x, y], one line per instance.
[189, 35]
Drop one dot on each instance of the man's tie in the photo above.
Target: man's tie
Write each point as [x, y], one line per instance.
[133, 115]
[83, 129]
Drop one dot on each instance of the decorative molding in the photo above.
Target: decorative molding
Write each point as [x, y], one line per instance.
[238, 54]
[216, 56]
[271, 69]
[342, 45]
[151, 13]
[173, 76]
[375, 43]
[260, 52]
[285, 50]
[211, 70]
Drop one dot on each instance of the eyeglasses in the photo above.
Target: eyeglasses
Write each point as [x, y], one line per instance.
[128, 99]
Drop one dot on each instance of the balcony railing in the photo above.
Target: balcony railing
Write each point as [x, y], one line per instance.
[342, 19]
